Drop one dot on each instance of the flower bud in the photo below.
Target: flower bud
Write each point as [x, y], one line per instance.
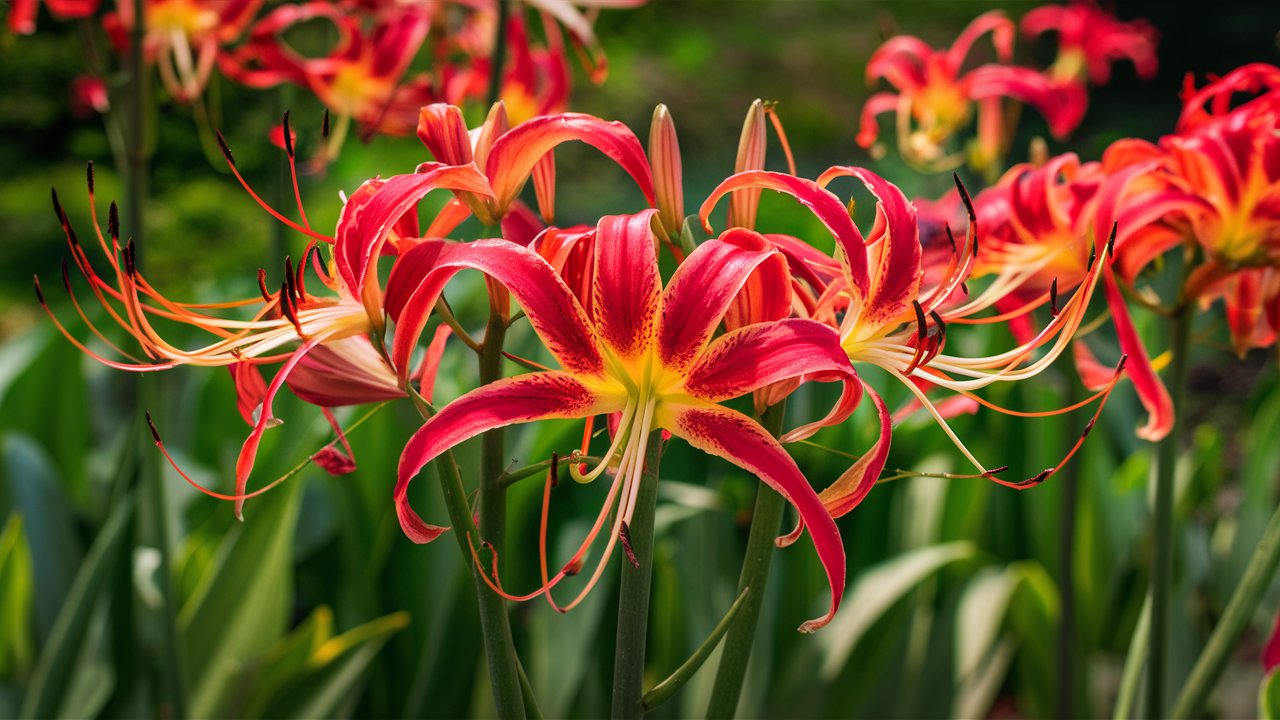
[751, 148]
[664, 158]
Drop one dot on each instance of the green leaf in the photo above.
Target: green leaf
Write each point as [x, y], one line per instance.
[16, 592]
[1269, 697]
[876, 591]
[979, 632]
[241, 606]
[56, 674]
[55, 552]
[311, 673]
[1034, 612]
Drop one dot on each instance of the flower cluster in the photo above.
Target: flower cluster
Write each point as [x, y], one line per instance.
[744, 312]
[934, 95]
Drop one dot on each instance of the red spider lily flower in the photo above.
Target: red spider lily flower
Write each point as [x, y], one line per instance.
[933, 97]
[183, 37]
[1225, 163]
[509, 156]
[22, 13]
[872, 292]
[363, 77]
[1090, 39]
[324, 343]
[641, 350]
[1039, 234]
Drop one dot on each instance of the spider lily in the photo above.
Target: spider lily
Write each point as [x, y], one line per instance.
[638, 349]
[183, 37]
[1090, 39]
[933, 96]
[363, 77]
[872, 293]
[1039, 234]
[1224, 165]
[509, 156]
[328, 344]
[22, 13]
[535, 80]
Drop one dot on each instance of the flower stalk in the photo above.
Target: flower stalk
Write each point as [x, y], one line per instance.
[633, 600]
[765, 522]
[1162, 544]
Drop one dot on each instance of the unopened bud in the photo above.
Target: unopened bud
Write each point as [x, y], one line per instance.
[496, 124]
[664, 158]
[751, 149]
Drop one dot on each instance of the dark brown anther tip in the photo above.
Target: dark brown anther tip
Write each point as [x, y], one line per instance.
[113, 221]
[88, 176]
[155, 434]
[1053, 297]
[130, 258]
[57, 206]
[1111, 240]
[555, 469]
[995, 471]
[288, 141]
[1088, 428]
[920, 321]
[66, 275]
[951, 238]
[226, 151]
[1040, 477]
[35, 279]
[1124, 360]
[324, 124]
[964, 197]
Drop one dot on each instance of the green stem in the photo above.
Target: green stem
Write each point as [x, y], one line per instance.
[755, 574]
[499, 52]
[633, 592]
[1162, 545]
[1069, 479]
[1131, 676]
[1213, 660]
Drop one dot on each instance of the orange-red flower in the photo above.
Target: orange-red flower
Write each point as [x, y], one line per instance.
[1090, 39]
[933, 97]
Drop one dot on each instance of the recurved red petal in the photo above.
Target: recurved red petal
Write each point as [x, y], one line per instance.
[627, 287]
[444, 132]
[894, 247]
[700, 291]
[343, 372]
[822, 202]
[250, 389]
[853, 485]
[514, 155]
[419, 276]
[1151, 391]
[524, 398]
[738, 439]
[364, 226]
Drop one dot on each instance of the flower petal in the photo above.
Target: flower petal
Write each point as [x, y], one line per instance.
[524, 398]
[757, 355]
[822, 202]
[342, 372]
[419, 276]
[364, 226]
[514, 155]
[1151, 391]
[627, 287]
[702, 288]
[740, 440]
[853, 485]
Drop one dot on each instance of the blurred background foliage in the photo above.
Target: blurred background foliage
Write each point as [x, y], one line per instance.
[316, 605]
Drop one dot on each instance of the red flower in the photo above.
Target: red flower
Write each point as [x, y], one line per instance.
[933, 96]
[1090, 39]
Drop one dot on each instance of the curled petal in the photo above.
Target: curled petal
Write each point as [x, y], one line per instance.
[1151, 391]
[822, 202]
[876, 105]
[738, 439]
[524, 398]
[513, 156]
[343, 372]
[419, 276]
[1062, 103]
[758, 355]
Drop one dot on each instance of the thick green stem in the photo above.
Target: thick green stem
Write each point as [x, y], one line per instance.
[499, 52]
[1069, 479]
[1162, 543]
[755, 574]
[633, 593]
[1213, 660]
[1131, 676]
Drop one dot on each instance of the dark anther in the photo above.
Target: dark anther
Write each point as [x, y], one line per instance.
[555, 469]
[57, 206]
[1111, 241]
[39, 293]
[1053, 297]
[324, 125]
[625, 536]
[88, 176]
[995, 471]
[130, 256]
[950, 237]
[113, 221]
[262, 285]
[66, 275]
[1124, 359]
[226, 151]
[155, 434]
[288, 141]
[964, 197]
[920, 321]
[1088, 427]
[942, 326]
